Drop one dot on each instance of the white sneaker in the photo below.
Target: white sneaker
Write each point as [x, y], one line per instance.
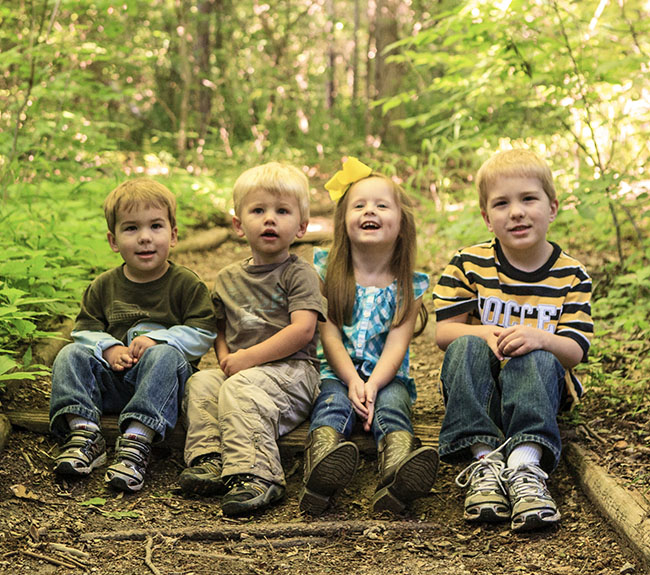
[532, 504]
[486, 498]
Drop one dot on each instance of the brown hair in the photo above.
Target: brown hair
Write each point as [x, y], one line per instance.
[140, 191]
[276, 178]
[518, 163]
[340, 285]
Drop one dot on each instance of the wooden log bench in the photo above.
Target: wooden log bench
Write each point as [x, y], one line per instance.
[292, 442]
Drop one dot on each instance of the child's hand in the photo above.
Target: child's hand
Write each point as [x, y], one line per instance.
[357, 395]
[492, 340]
[371, 395]
[235, 362]
[118, 357]
[520, 340]
[139, 345]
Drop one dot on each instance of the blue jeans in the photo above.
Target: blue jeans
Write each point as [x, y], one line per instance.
[334, 409]
[149, 392]
[487, 402]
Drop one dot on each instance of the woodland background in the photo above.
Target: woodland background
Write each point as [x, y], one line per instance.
[192, 93]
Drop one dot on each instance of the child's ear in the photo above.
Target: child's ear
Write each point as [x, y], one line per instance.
[236, 223]
[554, 208]
[486, 219]
[302, 230]
[174, 237]
[112, 242]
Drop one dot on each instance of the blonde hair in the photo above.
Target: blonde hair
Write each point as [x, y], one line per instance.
[275, 178]
[140, 191]
[340, 286]
[518, 163]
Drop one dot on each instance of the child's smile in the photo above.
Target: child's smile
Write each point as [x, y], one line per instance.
[143, 237]
[372, 214]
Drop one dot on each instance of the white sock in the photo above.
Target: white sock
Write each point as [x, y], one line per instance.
[528, 452]
[140, 429]
[78, 422]
[480, 450]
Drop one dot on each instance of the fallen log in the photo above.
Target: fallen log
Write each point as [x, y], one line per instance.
[292, 442]
[5, 430]
[202, 240]
[627, 511]
[222, 532]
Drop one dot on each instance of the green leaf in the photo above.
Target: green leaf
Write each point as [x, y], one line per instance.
[95, 501]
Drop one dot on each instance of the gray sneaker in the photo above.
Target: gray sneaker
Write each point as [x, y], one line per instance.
[203, 477]
[248, 493]
[82, 451]
[486, 498]
[130, 464]
[532, 504]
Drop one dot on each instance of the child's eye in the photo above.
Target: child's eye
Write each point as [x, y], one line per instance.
[129, 228]
[283, 211]
[257, 211]
[499, 204]
[156, 226]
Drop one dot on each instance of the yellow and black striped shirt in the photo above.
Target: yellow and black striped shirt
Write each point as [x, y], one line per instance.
[480, 281]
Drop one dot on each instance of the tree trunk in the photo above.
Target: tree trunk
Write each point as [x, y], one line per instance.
[331, 79]
[185, 73]
[388, 75]
[203, 51]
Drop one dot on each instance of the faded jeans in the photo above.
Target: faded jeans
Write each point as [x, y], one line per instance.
[333, 408]
[149, 392]
[488, 401]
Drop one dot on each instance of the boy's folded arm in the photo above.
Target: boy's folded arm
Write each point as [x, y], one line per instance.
[193, 342]
[448, 330]
[287, 341]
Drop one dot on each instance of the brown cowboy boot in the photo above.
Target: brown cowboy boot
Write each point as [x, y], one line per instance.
[330, 463]
[406, 471]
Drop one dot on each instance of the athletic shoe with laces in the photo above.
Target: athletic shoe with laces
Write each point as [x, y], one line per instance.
[486, 498]
[532, 504]
[82, 451]
[248, 493]
[203, 476]
[130, 464]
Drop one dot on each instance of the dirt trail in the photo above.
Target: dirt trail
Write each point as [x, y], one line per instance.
[160, 531]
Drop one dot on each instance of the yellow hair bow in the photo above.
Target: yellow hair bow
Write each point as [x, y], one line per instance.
[353, 171]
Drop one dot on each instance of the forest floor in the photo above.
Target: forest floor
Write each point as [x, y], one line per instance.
[90, 528]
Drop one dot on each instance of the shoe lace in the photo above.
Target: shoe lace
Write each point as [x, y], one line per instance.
[526, 480]
[488, 468]
[239, 481]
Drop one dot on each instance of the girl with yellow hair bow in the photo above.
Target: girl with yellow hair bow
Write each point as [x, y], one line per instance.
[374, 299]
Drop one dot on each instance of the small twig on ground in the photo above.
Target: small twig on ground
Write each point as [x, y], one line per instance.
[148, 550]
[69, 550]
[591, 433]
[49, 559]
[29, 461]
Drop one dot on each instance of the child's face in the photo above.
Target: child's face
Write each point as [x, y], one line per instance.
[518, 212]
[372, 216]
[143, 237]
[270, 222]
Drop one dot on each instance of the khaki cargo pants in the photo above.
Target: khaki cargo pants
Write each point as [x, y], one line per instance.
[242, 416]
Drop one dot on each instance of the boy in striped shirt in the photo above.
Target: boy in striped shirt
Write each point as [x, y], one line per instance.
[513, 316]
